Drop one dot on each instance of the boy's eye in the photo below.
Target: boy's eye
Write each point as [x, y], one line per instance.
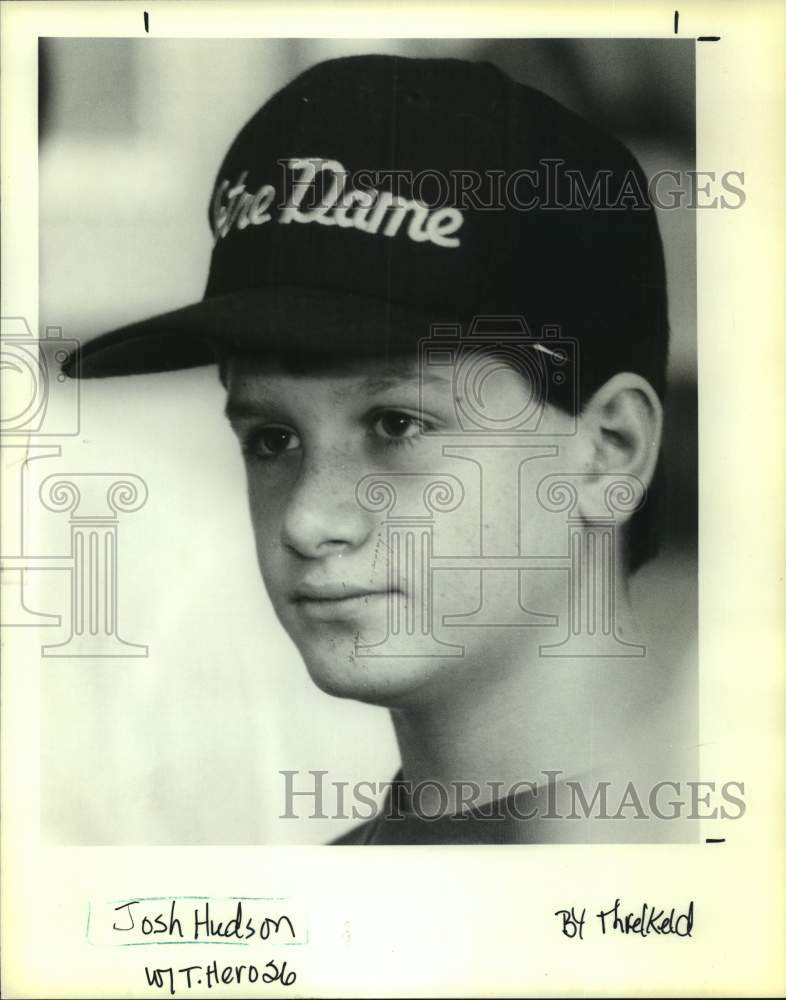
[271, 441]
[397, 426]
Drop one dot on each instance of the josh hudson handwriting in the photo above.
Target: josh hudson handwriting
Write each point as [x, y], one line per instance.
[201, 924]
[644, 921]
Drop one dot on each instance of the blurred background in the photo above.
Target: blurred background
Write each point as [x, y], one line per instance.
[184, 746]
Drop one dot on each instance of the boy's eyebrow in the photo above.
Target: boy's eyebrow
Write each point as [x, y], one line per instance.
[387, 378]
[237, 409]
[392, 376]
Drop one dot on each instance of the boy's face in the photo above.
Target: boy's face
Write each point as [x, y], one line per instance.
[309, 439]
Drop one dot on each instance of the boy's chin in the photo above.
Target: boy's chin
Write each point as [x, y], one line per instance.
[388, 681]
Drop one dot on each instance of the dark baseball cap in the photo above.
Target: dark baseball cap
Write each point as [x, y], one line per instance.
[376, 195]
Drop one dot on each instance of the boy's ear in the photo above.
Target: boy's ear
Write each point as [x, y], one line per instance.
[623, 424]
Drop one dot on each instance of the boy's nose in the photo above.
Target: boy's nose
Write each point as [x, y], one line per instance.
[323, 514]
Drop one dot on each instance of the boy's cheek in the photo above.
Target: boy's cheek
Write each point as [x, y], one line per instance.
[269, 553]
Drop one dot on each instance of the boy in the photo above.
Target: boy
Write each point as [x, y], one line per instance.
[437, 300]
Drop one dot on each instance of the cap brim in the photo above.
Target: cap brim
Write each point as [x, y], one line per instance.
[276, 320]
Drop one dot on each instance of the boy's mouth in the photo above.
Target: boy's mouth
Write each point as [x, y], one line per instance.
[328, 601]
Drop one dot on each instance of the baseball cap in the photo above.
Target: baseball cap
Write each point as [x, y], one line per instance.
[376, 195]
